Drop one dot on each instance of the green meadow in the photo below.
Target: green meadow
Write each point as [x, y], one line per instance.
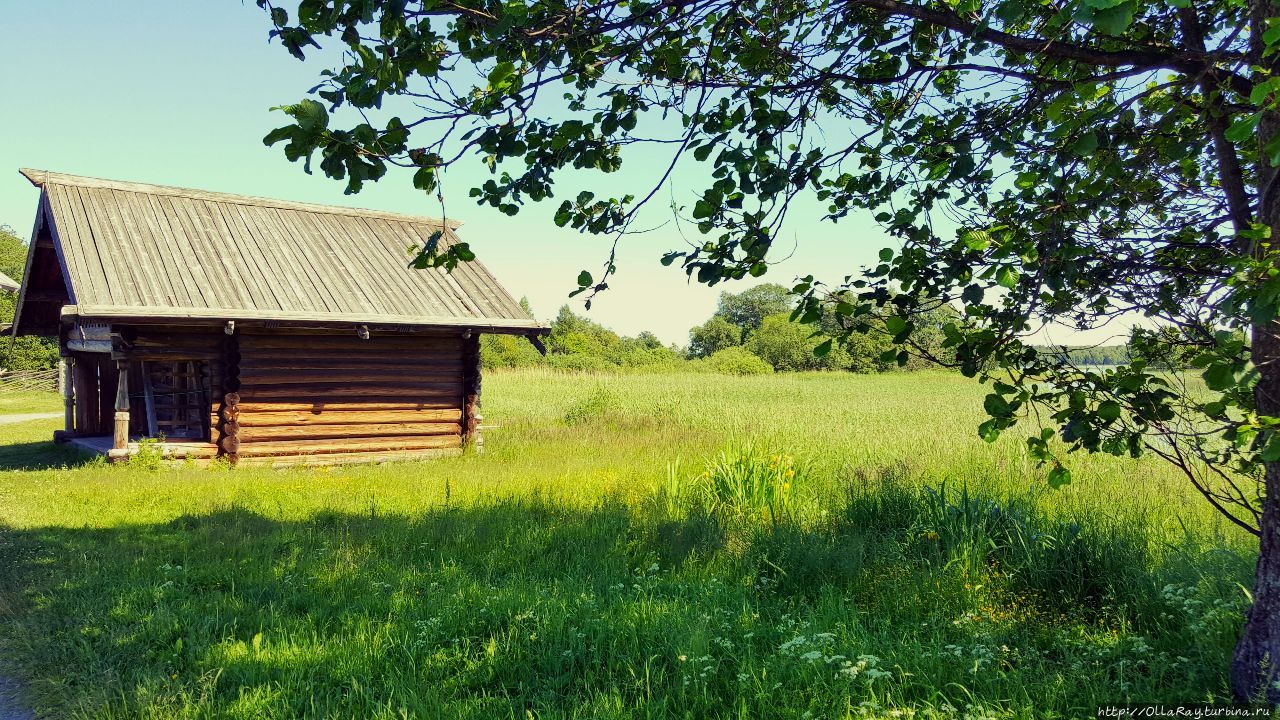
[627, 546]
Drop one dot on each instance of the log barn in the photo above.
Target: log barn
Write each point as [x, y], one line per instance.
[262, 331]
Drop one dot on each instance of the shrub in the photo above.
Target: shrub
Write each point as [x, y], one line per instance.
[737, 361]
[599, 403]
[713, 336]
[741, 482]
[579, 363]
[150, 454]
[789, 346]
[22, 353]
[507, 351]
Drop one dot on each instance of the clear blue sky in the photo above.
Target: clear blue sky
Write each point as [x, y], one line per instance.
[178, 92]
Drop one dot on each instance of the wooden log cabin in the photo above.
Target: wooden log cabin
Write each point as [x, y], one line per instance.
[260, 331]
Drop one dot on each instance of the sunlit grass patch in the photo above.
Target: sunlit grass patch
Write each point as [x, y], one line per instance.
[653, 557]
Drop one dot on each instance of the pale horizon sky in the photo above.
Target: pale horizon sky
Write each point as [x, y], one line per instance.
[179, 92]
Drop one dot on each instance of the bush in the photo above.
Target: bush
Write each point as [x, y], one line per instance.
[713, 336]
[602, 401]
[23, 353]
[788, 346]
[579, 363]
[737, 361]
[507, 351]
[742, 482]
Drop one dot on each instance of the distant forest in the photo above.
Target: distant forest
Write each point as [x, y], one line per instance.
[1089, 355]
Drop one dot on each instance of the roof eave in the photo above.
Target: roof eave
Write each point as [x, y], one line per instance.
[243, 319]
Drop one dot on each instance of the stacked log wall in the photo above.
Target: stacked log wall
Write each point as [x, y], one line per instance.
[318, 395]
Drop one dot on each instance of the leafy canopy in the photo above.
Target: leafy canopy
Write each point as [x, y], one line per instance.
[1069, 162]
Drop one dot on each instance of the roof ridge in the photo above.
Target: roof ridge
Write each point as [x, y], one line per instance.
[40, 178]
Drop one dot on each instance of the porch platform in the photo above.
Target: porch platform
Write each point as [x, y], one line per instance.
[170, 449]
[202, 452]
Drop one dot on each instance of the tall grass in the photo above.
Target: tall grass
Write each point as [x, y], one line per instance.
[626, 547]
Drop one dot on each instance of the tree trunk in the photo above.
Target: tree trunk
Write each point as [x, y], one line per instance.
[1255, 666]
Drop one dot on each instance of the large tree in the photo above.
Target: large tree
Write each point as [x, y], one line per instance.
[1072, 161]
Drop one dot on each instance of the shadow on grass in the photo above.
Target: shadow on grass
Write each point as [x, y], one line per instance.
[532, 609]
[41, 456]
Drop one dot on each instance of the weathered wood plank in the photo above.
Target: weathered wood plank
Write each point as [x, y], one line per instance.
[255, 434]
[142, 221]
[329, 391]
[375, 343]
[275, 376]
[340, 415]
[319, 447]
[372, 403]
[442, 364]
[353, 358]
[281, 461]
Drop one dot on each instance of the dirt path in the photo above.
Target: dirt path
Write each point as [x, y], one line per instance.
[23, 417]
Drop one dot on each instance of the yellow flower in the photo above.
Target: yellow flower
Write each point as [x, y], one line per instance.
[791, 473]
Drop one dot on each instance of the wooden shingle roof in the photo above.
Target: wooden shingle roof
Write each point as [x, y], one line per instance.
[130, 250]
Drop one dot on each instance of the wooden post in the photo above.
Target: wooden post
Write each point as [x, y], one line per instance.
[120, 439]
[471, 436]
[67, 366]
[229, 413]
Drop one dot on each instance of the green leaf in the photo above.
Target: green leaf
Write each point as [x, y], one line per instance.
[463, 252]
[1242, 129]
[1219, 376]
[584, 279]
[1114, 20]
[309, 114]
[1059, 476]
[1109, 410]
[989, 431]
[281, 133]
[1026, 180]
[996, 405]
[1085, 145]
[823, 349]
[977, 240]
[500, 76]
[1007, 277]
[1010, 11]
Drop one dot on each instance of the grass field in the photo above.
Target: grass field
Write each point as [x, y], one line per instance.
[656, 546]
[24, 401]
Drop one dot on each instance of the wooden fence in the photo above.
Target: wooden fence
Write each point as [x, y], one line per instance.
[28, 380]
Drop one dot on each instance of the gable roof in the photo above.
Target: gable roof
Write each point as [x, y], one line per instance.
[129, 250]
[7, 283]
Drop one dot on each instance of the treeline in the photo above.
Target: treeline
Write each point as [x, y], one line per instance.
[1165, 347]
[1089, 355]
[750, 333]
